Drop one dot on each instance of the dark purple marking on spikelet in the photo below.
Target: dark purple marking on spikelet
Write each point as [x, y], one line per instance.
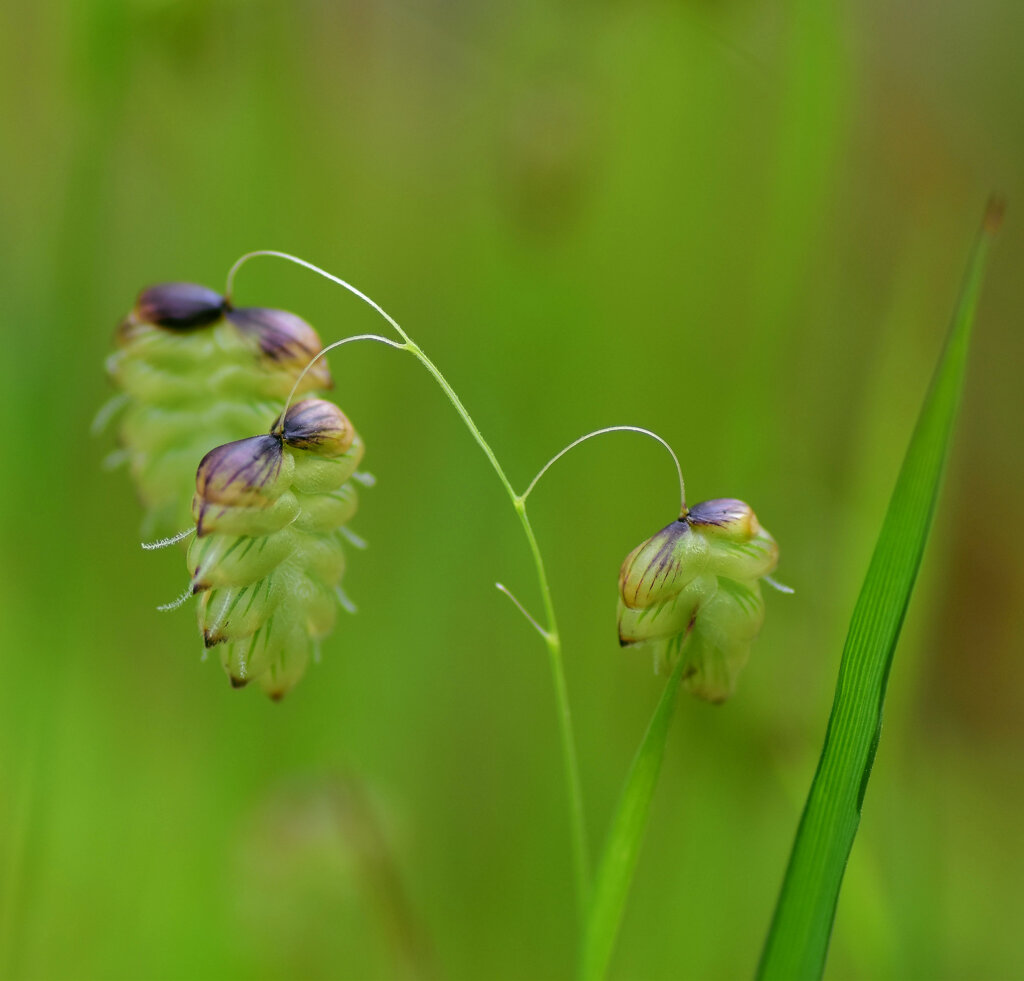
[664, 558]
[261, 469]
[244, 465]
[719, 512]
[315, 424]
[661, 563]
[236, 473]
[179, 306]
[282, 337]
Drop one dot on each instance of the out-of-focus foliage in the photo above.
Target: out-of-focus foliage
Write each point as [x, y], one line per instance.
[736, 223]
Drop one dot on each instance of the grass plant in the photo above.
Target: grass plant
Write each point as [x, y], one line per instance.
[798, 939]
[740, 226]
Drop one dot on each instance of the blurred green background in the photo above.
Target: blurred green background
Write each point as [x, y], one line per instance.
[741, 224]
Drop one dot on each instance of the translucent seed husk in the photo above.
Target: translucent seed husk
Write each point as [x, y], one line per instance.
[692, 591]
[267, 558]
[199, 373]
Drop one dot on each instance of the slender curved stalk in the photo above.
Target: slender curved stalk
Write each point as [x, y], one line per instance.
[581, 858]
[550, 634]
[625, 835]
[601, 432]
[322, 353]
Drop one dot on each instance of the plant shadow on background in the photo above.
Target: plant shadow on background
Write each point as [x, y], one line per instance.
[736, 229]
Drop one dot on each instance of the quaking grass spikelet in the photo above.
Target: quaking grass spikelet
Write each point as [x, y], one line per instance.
[267, 559]
[693, 591]
[197, 372]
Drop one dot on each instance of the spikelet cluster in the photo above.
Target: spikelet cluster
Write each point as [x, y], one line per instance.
[198, 372]
[693, 591]
[267, 559]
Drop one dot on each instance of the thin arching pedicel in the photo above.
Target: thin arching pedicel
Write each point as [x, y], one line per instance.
[600, 432]
[320, 272]
[552, 639]
[409, 346]
[576, 442]
[330, 347]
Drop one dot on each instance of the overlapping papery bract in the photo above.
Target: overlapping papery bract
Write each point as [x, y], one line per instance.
[198, 373]
[693, 591]
[267, 559]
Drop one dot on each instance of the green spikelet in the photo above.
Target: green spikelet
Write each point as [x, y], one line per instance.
[693, 591]
[267, 558]
[196, 373]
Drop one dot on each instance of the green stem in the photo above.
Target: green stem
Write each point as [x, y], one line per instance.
[625, 835]
[581, 859]
[551, 636]
[417, 352]
[552, 639]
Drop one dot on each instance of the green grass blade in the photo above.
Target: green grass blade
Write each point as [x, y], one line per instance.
[622, 847]
[798, 939]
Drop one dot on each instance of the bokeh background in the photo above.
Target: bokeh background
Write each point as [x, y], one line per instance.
[739, 223]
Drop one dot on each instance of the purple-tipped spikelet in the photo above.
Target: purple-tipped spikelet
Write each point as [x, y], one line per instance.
[267, 558]
[198, 372]
[693, 591]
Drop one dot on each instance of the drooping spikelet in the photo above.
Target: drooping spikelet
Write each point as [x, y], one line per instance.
[267, 558]
[693, 591]
[198, 373]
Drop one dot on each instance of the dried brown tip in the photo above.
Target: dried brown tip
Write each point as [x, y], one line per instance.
[238, 682]
[179, 306]
[285, 340]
